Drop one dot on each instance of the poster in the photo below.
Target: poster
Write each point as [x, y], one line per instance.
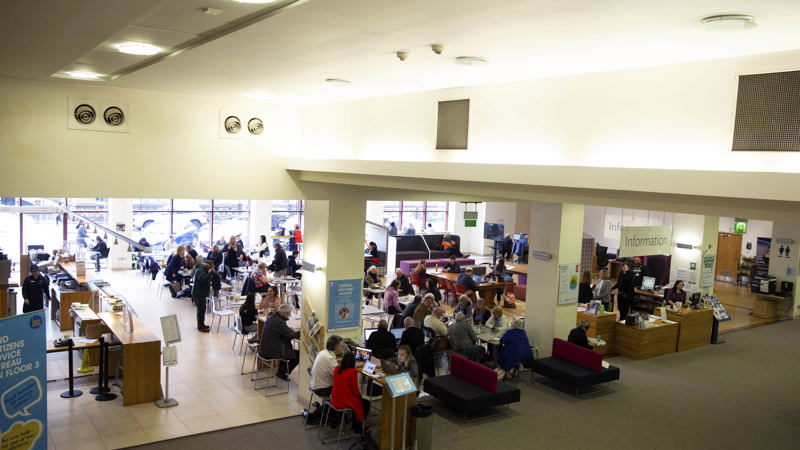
[568, 283]
[22, 381]
[344, 304]
[707, 277]
[642, 241]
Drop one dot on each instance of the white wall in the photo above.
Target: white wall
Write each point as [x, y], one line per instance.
[375, 211]
[595, 224]
[687, 229]
[755, 230]
[471, 238]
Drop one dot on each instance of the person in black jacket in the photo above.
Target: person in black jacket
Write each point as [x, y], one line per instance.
[452, 266]
[292, 266]
[191, 251]
[276, 341]
[578, 335]
[35, 289]
[201, 288]
[215, 255]
[625, 294]
[413, 335]
[279, 263]
[405, 284]
[411, 307]
[507, 245]
[248, 313]
[232, 256]
[101, 251]
[382, 342]
[639, 271]
[465, 279]
[585, 288]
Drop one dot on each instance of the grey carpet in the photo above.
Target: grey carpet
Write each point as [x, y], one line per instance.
[744, 393]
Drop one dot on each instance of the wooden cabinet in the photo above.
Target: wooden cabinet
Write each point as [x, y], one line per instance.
[643, 343]
[603, 325]
[694, 327]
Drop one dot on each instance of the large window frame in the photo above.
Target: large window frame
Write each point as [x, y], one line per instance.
[297, 207]
[405, 208]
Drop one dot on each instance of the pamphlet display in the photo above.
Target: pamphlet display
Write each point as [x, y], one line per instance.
[344, 304]
[719, 310]
[401, 384]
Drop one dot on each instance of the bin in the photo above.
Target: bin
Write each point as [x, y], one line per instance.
[11, 302]
[423, 426]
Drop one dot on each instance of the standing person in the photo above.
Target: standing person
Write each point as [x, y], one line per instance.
[602, 291]
[276, 342]
[507, 245]
[190, 251]
[346, 394]
[215, 255]
[422, 276]
[298, 235]
[639, 271]
[279, 262]
[170, 245]
[392, 229]
[232, 257]
[201, 287]
[625, 293]
[34, 290]
[83, 236]
[499, 275]
[676, 294]
[585, 287]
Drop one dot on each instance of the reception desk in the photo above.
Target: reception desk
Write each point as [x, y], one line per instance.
[601, 324]
[642, 343]
[695, 327]
[765, 306]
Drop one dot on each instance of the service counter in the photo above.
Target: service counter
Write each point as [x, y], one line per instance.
[694, 326]
[603, 325]
[4, 297]
[766, 306]
[642, 343]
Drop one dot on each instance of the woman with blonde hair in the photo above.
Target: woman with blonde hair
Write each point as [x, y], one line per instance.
[602, 291]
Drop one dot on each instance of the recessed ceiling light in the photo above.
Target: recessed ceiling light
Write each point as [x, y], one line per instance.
[84, 75]
[255, 1]
[338, 82]
[728, 22]
[472, 61]
[138, 48]
[259, 95]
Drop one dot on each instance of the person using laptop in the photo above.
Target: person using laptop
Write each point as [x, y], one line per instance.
[412, 336]
[324, 365]
[676, 294]
[407, 363]
[345, 392]
[465, 279]
[382, 343]
[452, 266]
[464, 340]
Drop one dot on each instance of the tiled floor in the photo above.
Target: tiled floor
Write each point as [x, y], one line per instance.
[207, 384]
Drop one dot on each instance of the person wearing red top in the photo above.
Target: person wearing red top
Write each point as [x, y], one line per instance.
[298, 235]
[345, 392]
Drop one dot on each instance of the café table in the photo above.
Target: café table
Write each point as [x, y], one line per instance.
[486, 289]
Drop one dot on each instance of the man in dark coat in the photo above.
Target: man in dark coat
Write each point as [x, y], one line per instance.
[405, 284]
[578, 335]
[276, 341]
[34, 290]
[201, 287]
[413, 335]
[279, 262]
[382, 343]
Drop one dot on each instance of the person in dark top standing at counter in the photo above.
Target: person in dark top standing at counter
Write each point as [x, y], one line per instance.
[508, 244]
[382, 343]
[639, 271]
[279, 262]
[578, 335]
[405, 283]
[585, 288]
[35, 289]
[625, 293]
[676, 294]
[465, 279]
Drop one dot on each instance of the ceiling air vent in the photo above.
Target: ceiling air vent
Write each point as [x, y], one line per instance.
[114, 116]
[255, 126]
[84, 114]
[232, 124]
[768, 113]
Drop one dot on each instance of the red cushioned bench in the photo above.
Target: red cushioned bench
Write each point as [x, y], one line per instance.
[575, 366]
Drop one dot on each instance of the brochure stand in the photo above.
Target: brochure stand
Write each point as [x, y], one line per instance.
[172, 335]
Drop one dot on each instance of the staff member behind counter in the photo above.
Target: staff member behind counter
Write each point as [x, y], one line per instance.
[34, 290]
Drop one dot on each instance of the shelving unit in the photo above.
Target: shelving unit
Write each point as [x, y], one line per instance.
[311, 344]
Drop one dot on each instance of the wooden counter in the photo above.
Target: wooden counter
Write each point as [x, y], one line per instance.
[643, 343]
[65, 301]
[141, 360]
[72, 269]
[765, 306]
[388, 404]
[695, 327]
[4, 297]
[602, 324]
[486, 290]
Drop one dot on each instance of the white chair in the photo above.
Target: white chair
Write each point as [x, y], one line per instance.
[218, 311]
[239, 332]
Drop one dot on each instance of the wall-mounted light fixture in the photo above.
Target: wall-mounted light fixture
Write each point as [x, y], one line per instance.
[541, 256]
[685, 246]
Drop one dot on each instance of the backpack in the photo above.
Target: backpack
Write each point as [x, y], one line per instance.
[216, 284]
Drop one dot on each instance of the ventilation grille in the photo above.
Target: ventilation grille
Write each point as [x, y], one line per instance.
[768, 113]
[452, 126]
[96, 114]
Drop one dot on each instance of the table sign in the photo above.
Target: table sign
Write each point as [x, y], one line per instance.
[169, 326]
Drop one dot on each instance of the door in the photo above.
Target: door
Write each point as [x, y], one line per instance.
[729, 249]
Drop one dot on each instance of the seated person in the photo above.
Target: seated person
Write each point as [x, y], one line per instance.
[452, 266]
[421, 272]
[482, 313]
[424, 309]
[498, 321]
[371, 280]
[372, 251]
[292, 266]
[411, 307]
[676, 294]
[391, 301]
[345, 392]
[382, 342]
[578, 335]
[515, 349]
[434, 322]
[405, 283]
[248, 313]
[433, 288]
[464, 305]
[101, 250]
[143, 244]
[463, 339]
[176, 262]
[449, 244]
[407, 363]
[263, 247]
[269, 300]
[259, 278]
[585, 288]
[216, 256]
[324, 365]
[465, 279]
[191, 251]
[413, 336]
[276, 342]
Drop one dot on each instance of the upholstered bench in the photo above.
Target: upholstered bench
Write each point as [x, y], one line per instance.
[575, 366]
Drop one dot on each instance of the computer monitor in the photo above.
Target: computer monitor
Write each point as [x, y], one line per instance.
[648, 283]
[363, 354]
[493, 231]
[397, 332]
[368, 332]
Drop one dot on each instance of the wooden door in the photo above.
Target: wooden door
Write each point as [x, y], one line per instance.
[729, 249]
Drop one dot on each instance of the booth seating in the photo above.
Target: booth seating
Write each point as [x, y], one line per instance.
[520, 292]
[410, 247]
[434, 242]
[409, 265]
[471, 387]
[576, 366]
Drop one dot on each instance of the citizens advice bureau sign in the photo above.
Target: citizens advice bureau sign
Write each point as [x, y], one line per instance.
[641, 241]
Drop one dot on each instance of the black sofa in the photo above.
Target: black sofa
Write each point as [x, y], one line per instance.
[434, 242]
[575, 366]
[409, 248]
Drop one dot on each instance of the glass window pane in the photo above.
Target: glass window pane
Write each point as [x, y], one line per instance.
[88, 204]
[437, 206]
[391, 206]
[391, 216]
[151, 204]
[191, 205]
[284, 205]
[283, 223]
[42, 229]
[193, 228]
[9, 233]
[72, 229]
[415, 218]
[9, 201]
[231, 205]
[413, 206]
[153, 226]
[227, 224]
[33, 201]
[438, 221]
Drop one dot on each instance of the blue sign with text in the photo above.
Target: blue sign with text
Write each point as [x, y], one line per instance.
[344, 304]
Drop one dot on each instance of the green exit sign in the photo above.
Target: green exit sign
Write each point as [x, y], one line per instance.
[470, 223]
[739, 227]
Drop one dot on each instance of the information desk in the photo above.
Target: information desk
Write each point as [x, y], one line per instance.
[141, 360]
[387, 403]
[601, 324]
[765, 306]
[643, 343]
[646, 301]
[486, 290]
[695, 326]
[4, 298]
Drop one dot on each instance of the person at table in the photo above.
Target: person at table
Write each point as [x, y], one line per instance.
[371, 279]
[424, 309]
[578, 335]
[500, 276]
[276, 342]
[624, 285]
[465, 279]
[372, 251]
[292, 266]
[507, 245]
[35, 288]
[232, 256]
[406, 363]
[270, 301]
[410, 230]
[498, 322]
[189, 262]
[412, 336]
[515, 348]
[239, 243]
[412, 307]
[345, 392]
[392, 229]
[421, 271]
[452, 266]
[176, 262]
[434, 322]
[463, 339]
[259, 278]
[279, 262]
[405, 283]
[602, 290]
[382, 343]
[585, 287]
[391, 299]
[263, 247]
[101, 251]
[248, 314]
[170, 245]
[639, 271]
[449, 244]
[324, 365]
[465, 306]
[215, 255]
[297, 235]
[143, 244]
[676, 294]
[221, 242]
[191, 251]
[481, 314]
[201, 287]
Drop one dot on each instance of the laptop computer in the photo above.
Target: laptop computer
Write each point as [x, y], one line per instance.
[389, 367]
[369, 367]
[397, 332]
[368, 332]
[363, 355]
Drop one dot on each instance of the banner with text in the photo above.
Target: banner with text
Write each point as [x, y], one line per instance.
[344, 304]
[23, 375]
[642, 241]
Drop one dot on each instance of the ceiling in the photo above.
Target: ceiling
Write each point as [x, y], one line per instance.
[289, 54]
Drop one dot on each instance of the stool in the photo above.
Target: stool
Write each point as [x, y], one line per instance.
[310, 402]
[272, 365]
[344, 412]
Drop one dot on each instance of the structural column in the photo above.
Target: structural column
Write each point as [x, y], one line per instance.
[783, 265]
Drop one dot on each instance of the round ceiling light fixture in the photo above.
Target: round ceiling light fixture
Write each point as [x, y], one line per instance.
[338, 82]
[138, 48]
[84, 75]
[728, 22]
[472, 61]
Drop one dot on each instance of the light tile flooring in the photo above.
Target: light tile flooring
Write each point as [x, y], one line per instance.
[207, 384]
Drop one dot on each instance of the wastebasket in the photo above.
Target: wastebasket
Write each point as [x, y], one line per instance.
[11, 299]
[423, 426]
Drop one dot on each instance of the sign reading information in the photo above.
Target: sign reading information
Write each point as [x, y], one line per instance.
[642, 241]
[344, 304]
[22, 380]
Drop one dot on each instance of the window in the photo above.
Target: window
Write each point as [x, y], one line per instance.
[285, 215]
[417, 213]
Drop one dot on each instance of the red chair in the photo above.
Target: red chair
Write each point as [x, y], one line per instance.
[414, 278]
[450, 292]
[460, 290]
